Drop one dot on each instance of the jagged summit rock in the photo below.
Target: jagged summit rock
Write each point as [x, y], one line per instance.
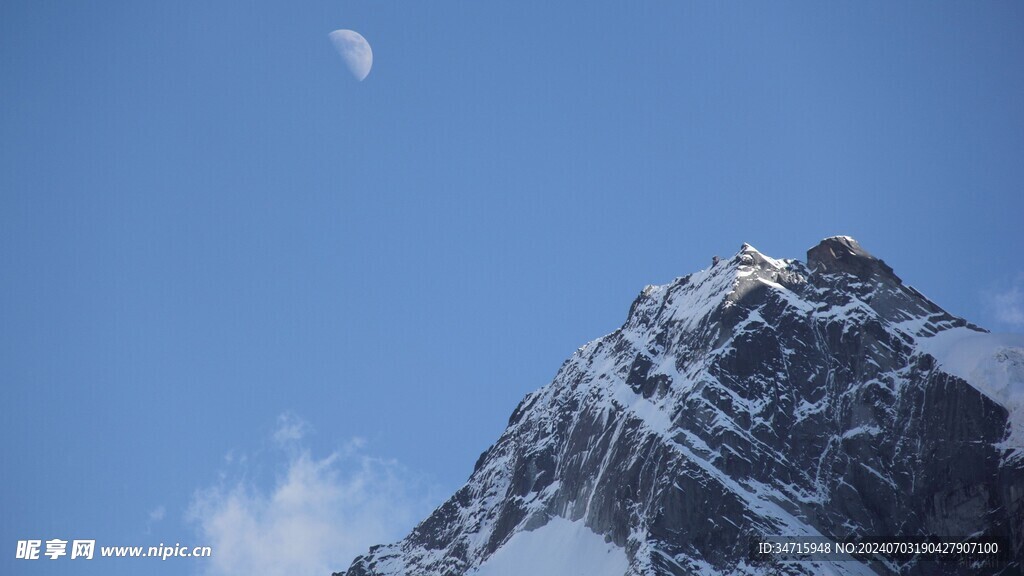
[844, 254]
[756, 397]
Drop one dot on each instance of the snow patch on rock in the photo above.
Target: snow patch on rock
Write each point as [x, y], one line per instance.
[992, 363]
[558, 548]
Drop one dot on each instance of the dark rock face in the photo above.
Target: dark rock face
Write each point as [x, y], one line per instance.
[842, 254]
[757, 397]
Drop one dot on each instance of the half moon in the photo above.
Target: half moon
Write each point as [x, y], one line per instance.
[355, 50]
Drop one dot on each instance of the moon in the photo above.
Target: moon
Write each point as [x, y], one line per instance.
[355, 50]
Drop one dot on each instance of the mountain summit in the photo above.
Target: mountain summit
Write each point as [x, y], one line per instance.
[759, 397]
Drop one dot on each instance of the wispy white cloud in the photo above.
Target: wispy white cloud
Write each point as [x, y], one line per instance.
[318, 515]
[157, 514]
[290, 429]
[1006, 305]
[154, 517]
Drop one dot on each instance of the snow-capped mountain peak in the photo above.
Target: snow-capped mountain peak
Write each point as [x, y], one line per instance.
[755, 397]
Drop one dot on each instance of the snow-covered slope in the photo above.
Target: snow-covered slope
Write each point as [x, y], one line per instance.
[757, 397]
[558, 548]
[992, 363]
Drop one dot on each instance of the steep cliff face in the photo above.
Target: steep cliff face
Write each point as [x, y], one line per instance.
[757, 397]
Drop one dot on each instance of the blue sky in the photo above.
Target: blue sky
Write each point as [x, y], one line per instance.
[231, 273]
